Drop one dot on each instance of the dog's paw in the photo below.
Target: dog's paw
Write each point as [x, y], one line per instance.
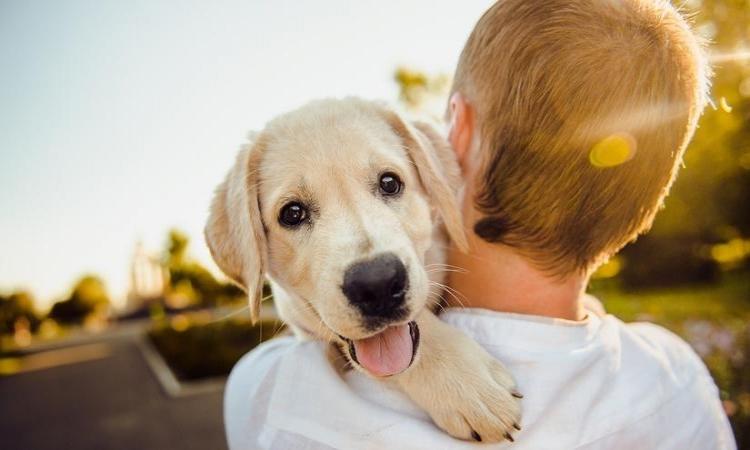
[477, 402]
[466, 392]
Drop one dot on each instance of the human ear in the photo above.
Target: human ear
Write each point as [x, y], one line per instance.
[461, 130]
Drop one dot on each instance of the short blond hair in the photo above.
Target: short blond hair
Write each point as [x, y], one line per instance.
[549, 80]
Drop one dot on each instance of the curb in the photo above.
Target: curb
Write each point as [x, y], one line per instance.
[168, 381]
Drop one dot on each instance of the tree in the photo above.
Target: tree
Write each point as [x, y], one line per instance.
[89, 294]
[15, 307]
[177, 244]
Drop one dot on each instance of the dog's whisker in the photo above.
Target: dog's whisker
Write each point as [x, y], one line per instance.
[453, 292]
[434, 299]
[279, 327]
[321, 328]
[451, 266]
[239, 311]
[435, 293]
[442, 267]
[228, 315]
[456, 294]
[306, 307]
[445, 271]
[302, 309]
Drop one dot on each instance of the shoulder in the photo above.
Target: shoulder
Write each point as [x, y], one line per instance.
[665, 374]
[658, 358]
[665, 352]
[661, 345]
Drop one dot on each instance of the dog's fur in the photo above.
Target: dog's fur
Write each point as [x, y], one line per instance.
[329, 155]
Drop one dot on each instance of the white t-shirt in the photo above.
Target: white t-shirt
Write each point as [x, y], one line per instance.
[595, 384]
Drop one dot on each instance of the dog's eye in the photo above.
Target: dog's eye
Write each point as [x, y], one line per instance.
[292, 214]
[390, 184]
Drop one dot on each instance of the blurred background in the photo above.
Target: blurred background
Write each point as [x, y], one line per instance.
[118, 119]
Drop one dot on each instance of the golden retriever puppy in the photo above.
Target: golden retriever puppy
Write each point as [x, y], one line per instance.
[345, 207]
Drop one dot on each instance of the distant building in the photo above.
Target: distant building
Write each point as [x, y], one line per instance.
[148, 279]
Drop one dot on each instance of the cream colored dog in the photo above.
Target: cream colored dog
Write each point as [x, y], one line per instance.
[344, 207]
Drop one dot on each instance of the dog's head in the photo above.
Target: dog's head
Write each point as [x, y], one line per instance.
[337, 203]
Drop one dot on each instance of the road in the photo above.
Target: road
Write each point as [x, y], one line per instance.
[103, 396]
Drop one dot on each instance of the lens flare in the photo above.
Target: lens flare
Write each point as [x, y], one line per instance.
[725, 105]
[613, 150]
[734, 56]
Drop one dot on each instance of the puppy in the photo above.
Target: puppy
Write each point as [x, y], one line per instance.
[345, 207]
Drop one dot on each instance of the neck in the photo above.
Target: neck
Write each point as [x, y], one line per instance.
[496, 277]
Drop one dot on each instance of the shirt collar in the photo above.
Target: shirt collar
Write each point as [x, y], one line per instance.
[495, 328]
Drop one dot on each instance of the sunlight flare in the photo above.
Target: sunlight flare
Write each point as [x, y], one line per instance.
[725, 106]
[735, 56]
[613, 150]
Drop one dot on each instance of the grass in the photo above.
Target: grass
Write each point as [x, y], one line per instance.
[727, 301]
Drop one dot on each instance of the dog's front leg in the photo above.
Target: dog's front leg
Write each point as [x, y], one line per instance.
[467, 393]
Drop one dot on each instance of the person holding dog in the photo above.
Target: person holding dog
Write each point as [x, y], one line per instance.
[569, 121]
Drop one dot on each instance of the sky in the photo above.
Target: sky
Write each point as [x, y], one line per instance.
[118, 119]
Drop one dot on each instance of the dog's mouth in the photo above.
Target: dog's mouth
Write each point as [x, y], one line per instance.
[388, 352]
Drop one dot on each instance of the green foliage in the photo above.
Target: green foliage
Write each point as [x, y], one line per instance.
[210, 349]
[88, 295]
[421, 92]
[14, 307]
[714, 184]
[189, 279]
[177, 244]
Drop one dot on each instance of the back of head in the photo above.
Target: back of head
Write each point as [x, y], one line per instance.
[583, 111]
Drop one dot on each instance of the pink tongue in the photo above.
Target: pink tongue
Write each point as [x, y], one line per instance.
[387, 353]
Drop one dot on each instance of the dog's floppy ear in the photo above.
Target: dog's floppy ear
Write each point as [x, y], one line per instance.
[234, 231]
[428, 151]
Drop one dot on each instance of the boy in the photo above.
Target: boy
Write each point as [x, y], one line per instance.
[569, 120]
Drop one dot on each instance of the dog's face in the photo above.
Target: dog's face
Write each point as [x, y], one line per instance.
[335, 202]
[347, 220]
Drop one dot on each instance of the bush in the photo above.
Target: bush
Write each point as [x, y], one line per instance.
[210, 349]
[667, 261]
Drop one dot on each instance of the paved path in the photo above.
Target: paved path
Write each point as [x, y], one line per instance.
[108, 399]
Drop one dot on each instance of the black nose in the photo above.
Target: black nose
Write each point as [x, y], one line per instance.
[377, 287]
